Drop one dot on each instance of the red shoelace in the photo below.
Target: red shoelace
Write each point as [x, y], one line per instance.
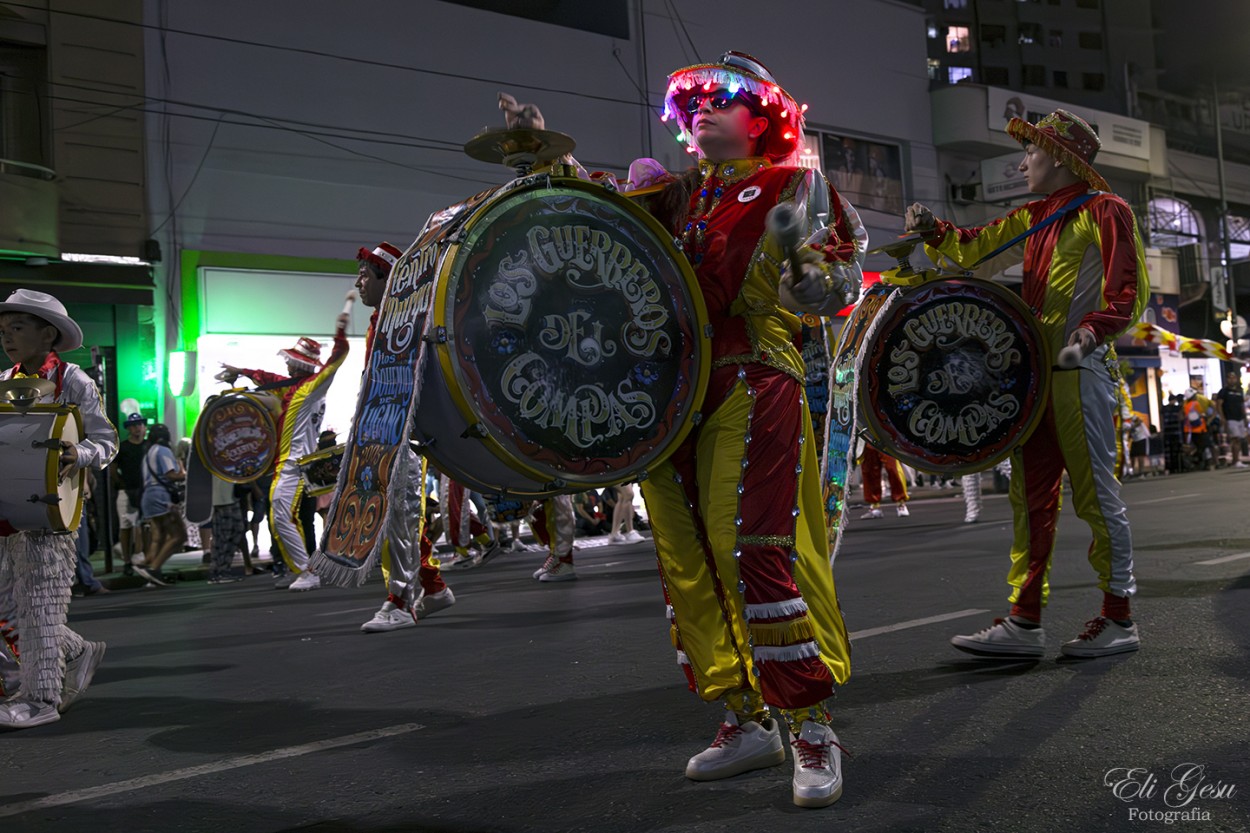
[725, 734]
[1092, 628]
[816, 755]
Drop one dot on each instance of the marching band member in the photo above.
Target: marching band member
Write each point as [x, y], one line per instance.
[870, 466]
[736, 512]
[37, 568]
[1085, 280]
[414, 583]
[303, 407]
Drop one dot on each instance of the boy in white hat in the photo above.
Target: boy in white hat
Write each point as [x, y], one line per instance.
[37, 567]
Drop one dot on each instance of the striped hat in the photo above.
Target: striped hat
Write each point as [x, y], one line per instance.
[384, 256]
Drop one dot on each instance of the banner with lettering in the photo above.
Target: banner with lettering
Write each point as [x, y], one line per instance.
[374, 475]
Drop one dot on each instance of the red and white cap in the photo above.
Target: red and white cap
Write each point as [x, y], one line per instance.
[384, 256]
[306, 352]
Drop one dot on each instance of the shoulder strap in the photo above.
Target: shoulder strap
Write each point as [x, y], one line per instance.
[1072, 205]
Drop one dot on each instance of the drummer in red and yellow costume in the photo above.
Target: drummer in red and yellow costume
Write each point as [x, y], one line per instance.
[303, 395]
[736, 512]
[414, 585]
[1085, 280]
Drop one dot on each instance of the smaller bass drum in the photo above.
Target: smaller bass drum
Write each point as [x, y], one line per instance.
[32, 497]
[320, 469]
[235, 436]
[952, 375]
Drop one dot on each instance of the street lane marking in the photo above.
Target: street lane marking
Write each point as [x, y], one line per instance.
[1225, 559]
[1163, 499]
[915, 623]
[133, 784]
[597, 566]
[345, 612]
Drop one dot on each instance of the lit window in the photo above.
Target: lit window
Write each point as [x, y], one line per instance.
[935, 68]
[956, 4]
[957, 74]
[957, 39]
[932, 31]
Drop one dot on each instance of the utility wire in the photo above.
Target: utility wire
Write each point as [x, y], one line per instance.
[167, 30]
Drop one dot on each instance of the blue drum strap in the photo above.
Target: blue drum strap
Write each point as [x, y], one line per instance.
[1073, 205]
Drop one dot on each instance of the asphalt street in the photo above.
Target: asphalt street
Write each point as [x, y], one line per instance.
[559, 707]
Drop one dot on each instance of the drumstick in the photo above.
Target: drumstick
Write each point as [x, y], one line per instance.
[786, 224]
[1070, 357]
[348, 300]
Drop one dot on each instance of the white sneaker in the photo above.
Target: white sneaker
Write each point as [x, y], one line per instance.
[903, 511]
[1239, 465]
[872, 513]
[547, 565]
[817, 766]
[23, 714]
[389, 618]
[78, 673]
[1102, 637]
[738, 748]
[616, 538]
[634, 536]
[491, 550]
[459, 561]
[971, 517]
[560, 571]
[306, 581]
[434, 602]
[1003, 639]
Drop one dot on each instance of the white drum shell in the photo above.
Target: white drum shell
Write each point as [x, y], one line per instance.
[27, 468]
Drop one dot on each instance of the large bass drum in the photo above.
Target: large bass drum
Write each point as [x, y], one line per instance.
[570, 346]
[32, 495]
[952, 374]
[235, 436]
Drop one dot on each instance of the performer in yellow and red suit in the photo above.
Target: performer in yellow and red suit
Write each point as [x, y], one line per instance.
[303, 407]
[870, 466]
[1085, 280]
[736, 512]
[414, 584]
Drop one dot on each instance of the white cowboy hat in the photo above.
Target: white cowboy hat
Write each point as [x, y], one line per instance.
[48, 308]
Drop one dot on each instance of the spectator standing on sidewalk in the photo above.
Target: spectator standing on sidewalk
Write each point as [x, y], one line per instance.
[162, 496]
[1231, 402]
[127, 475]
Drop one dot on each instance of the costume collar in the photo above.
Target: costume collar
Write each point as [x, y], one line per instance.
[1067, 192]
[52, 368]
[730, 171]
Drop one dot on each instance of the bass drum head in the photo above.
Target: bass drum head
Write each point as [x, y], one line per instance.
[235, 437]
[575, 344]
[954, 376]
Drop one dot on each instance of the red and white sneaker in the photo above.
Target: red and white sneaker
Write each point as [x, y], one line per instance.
[547, 565]
[738, 748]
[560, 571]
[1102, 637]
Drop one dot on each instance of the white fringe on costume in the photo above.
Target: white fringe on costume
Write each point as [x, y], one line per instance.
[36, 574]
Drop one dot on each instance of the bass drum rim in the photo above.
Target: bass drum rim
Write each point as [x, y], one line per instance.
[873, 425]
[200, 440]
[450, 369]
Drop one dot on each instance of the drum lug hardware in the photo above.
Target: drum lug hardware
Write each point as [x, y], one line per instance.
[51, 500]
[642, 475]
[437, 336]
[707, 330]
[555, 485]
[456, 237]
[477, 431]
[696, 418]
[52, 444]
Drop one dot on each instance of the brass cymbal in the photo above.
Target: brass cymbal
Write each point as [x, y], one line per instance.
[519, 146]
[22, 393]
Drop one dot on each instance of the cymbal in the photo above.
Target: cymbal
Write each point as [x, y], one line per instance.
[22, 393]
[519, 146]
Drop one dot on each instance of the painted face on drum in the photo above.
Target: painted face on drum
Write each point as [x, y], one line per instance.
[730, 131]
[371, 284]
[27, 340]
[1043, 173]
